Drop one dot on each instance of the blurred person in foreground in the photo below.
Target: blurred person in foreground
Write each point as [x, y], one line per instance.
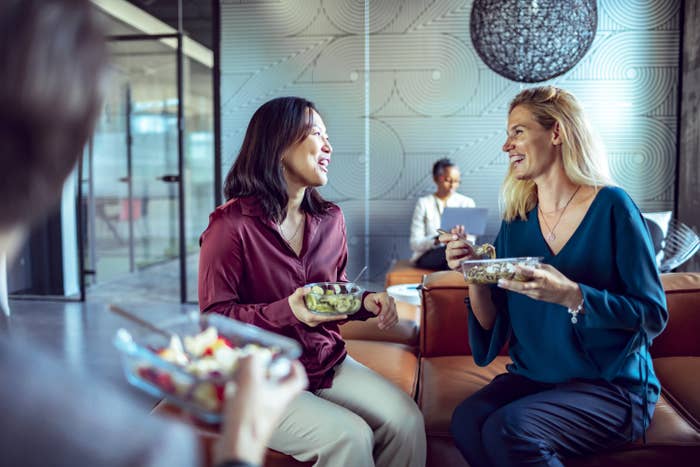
[579, 327]
[53, 62]
[428, 252]
[274, 235]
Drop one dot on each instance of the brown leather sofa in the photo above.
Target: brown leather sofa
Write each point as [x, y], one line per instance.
[448, 375]
[403, 272]
[428, 356]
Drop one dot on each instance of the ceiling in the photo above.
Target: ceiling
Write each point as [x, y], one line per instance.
[196, 18]
[149, 66]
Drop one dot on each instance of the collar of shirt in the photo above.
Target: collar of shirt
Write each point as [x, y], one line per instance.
[250, 206]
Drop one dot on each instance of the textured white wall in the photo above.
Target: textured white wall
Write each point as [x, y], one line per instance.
[427, 95]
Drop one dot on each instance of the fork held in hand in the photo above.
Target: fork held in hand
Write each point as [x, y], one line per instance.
[479, 250]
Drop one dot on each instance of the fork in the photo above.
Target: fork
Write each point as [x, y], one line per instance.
[479, 250]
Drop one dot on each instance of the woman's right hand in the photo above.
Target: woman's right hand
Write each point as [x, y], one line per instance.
[253, 407]
[458, 247]
[298, 306]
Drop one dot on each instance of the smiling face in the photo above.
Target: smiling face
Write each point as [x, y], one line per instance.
[306, 162]
[448, 181]
[533, 150]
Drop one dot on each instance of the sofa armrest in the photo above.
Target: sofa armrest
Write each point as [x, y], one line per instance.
[403, 272]
[682, 334]
[443, 330]
[405, 332]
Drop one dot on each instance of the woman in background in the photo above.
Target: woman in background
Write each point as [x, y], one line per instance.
[428, 252]
[274, 235]
[579, 327]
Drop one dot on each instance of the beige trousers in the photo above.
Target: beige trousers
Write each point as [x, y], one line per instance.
[363, 420]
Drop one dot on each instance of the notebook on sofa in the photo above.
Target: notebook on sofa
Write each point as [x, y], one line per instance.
[473, 219]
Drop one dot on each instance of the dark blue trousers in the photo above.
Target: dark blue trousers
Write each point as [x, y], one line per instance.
[516, 421]
[433, 259]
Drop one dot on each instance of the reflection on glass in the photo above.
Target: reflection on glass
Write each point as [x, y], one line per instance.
[131, 198]
[134, 147]
[199, 162]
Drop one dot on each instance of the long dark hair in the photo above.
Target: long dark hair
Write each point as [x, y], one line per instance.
[274, 127]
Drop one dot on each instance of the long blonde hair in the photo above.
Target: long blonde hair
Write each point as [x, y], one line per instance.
[585, 162]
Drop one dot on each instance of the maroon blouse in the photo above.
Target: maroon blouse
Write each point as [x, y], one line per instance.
[247, 271]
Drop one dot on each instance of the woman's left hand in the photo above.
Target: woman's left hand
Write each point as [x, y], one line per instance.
[545, 283]
[384, 306]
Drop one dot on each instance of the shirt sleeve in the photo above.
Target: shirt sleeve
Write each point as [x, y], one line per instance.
[220, 273]
[420, 242]
[487, 344]
[642, 304]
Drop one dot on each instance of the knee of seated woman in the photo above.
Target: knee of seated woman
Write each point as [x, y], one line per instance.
[356, 432]
[402, 415]
[470, 413]
[463, 425]
[411, 421]
[510, 422]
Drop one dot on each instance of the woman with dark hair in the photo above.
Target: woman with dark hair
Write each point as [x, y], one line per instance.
[275, 234]
[428, 252]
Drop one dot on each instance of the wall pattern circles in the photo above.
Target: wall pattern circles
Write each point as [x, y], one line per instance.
[400, 84]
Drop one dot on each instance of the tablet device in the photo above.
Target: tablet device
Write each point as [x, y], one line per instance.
[473, 219]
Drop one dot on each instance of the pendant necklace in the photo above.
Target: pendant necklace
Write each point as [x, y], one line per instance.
[550, 237]
[289, 240]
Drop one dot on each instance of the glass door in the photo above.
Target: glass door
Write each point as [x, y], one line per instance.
[131, 174]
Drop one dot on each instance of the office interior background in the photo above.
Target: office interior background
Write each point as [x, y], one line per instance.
[399, 85]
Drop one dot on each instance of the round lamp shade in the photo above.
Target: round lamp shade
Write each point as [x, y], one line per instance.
[532, 40]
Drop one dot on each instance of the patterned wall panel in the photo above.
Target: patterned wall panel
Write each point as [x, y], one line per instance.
[400, 85]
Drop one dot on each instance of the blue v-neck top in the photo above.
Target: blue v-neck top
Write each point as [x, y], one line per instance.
[611, 257]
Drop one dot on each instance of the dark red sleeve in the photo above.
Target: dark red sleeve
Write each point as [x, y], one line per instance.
[220, 273]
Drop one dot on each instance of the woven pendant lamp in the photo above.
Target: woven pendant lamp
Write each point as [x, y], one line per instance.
[532, 40]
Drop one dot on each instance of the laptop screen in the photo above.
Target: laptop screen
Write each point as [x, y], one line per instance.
[473, 219]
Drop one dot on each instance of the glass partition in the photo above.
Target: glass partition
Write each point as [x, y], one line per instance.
[198, 177]
[132, 199]
[131, 185]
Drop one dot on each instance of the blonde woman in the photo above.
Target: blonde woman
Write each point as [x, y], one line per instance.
[581, 378]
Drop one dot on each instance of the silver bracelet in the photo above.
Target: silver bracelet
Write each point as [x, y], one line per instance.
[574, 312]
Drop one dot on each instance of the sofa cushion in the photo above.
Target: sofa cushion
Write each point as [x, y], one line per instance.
[396, 362]
[680, 380]
[683, 328]
[670, 441]
[668, 428]
[405, 332]
[403, 272]
[447, 381]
